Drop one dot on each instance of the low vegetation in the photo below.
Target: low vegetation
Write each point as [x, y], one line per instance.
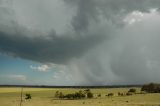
[81, 97]
[77, 95]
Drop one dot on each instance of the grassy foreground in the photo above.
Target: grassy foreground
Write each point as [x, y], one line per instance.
[45, 97]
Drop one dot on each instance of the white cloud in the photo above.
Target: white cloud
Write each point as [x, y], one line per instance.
[42, 68]
[135, 16]
[17, 77]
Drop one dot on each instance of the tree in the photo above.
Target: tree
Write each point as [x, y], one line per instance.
[110, 94]
[61, 95]
[128, 93]
[89, 95]
[99, 95]
[151, 88]
[56, 94]
[79, 95]
[132, 90]
[28, 96]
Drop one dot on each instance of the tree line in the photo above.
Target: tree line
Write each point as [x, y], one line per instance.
[151, 88]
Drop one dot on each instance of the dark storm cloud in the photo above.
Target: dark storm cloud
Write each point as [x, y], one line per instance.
[50, 49]
[19, 41]
[60, 49]
[94, 48]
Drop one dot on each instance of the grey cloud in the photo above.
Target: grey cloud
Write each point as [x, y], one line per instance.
[20, 41]
[95, 49]
[112, 10]
[115, 62]
[42, 49]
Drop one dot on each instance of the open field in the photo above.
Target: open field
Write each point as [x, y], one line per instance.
[45, 97]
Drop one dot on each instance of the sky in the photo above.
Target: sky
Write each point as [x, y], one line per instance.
[79, 42]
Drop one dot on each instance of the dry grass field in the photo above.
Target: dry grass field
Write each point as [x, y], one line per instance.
[45, 97]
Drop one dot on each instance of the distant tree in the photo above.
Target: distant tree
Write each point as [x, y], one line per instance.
[79, 95]
[82, 94]
[120, 94]
[89, 95]
[151, 88]
[61, 95]
[132, 90]
[129, 93]
[69, 96]
[99, 95]
[87, 90]
[110, 94]
[28, 96]
[56, 94]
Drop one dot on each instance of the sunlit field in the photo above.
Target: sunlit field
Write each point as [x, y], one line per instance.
[45, 97]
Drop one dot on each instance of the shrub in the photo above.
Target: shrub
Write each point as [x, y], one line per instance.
[99, 95]
[87, 90]
[69, 96]
[56, 94]
[79, 94]
[89, 95]
[61, 95]
[110, 94]
[28, 96]
[120, 94]
[76, 95]
[132, 90]
[128, 93]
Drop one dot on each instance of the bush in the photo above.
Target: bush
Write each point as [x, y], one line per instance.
[89, 95]
[120, 94]
[77, 95]
[28, 96]
[69, 96]
[129, 93]
[56, 94]
[110, 94]
[132, 90]
[87, 90]
[59, 94]
[99, 95]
